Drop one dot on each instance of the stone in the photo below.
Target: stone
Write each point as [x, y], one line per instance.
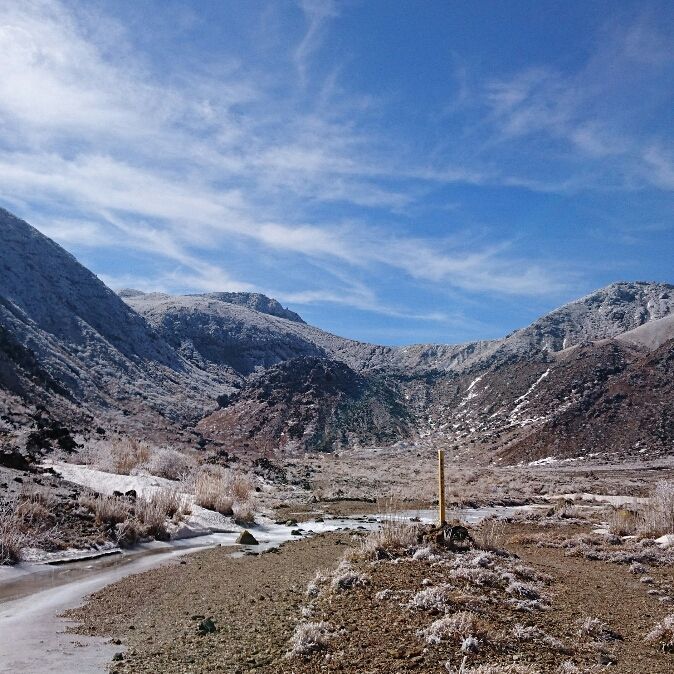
[246, 538]
[207, 626]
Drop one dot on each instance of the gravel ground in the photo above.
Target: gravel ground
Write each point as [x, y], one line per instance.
[253, 600]
[256, 602]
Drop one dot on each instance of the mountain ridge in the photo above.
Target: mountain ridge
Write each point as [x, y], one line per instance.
[163, 365]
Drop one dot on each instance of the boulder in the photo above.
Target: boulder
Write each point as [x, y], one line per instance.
[246, 538]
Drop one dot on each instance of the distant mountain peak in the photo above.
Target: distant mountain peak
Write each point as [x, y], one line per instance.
[130, 292]
[258, 302]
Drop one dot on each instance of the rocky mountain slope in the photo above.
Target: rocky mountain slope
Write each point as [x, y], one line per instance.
[250, 374]
[311, 404]
[70, 344]
[608, 397]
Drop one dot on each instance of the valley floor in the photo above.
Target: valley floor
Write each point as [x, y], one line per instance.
[256, 602]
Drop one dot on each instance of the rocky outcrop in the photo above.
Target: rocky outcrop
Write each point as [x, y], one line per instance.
[311, 404]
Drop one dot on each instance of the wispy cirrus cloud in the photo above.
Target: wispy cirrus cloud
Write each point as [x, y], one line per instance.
[104, 139]
[106, 151]
[588, 120]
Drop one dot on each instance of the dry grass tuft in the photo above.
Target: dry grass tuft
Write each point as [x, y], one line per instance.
[663, 634]
[392, 539]
[226, 492]
[345, 577]
[533, 634]
[309, 638]
[657, 516]
[240, 487]
[107, 509]
[211, 491]
[436, 599]
[455, 628]
[597, 630]
[487, 668]
[623, 521]
[490, 534]
[125, 454]
[170, 464]
[14, 537]
[142, 518]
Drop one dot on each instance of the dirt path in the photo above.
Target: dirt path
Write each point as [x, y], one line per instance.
[254, 601]
[608, 592]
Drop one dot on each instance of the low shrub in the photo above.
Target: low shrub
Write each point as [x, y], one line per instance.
[309, 638]
[662, 634]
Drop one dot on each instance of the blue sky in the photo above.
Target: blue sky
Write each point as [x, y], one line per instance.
[407, 171]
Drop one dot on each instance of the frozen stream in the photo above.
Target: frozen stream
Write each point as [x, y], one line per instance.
[34, 639]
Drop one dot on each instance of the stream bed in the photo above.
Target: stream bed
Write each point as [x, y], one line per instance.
[33, 638]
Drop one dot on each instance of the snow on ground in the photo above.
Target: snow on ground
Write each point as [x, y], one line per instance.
[614, 500]
[106, 483]
[470, 394]
[666, 541]
[522, 400]
[200, 522]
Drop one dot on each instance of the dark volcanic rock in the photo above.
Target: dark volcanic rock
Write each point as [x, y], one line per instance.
[312, 404]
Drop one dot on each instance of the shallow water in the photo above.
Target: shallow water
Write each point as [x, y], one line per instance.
[33, 637]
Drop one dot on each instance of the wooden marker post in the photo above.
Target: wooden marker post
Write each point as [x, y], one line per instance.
[441, 486]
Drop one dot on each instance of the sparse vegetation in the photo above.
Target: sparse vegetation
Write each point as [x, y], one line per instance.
[392, 539]
[657, 516]
[455, 628]
[310, 637]
[489, 535]
[346, 577]
[595, 629]
[170, 464]
[14, 536]
[662, 634]
[226, 492]
[133, 519]
[123, 455]
[211, 491]
[623, 521]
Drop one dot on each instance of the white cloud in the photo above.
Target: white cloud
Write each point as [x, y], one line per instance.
[317, 13]
[125, 160]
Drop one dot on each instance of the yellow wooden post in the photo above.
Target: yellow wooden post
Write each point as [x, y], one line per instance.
[441, 486]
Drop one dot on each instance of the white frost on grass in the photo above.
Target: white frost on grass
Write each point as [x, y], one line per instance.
[200, 522]
[309, 638]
